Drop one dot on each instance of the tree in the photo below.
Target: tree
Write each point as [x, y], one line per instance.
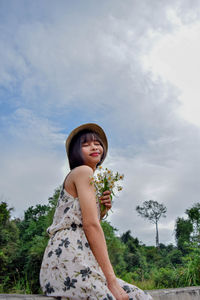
[183, 230]
[33, 240]
[132, 254]
[153, 211]
[9, 238]
[127, 237]
[194, 216]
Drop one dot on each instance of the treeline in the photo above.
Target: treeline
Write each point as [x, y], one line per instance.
[23, 241]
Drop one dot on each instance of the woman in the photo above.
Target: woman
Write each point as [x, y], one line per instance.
[76, 263]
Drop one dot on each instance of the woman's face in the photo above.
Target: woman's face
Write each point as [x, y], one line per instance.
[92, 152]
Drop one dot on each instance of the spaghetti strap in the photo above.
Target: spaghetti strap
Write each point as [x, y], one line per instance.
[65, 179]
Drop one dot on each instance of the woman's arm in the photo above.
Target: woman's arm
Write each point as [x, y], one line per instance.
[91, 225]
[92, 228]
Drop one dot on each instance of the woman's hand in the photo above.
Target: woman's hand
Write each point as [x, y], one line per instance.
[105, 199]
[117, 290]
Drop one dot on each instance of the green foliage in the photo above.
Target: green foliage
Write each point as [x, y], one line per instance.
[8, 245]
[175, 257]
[133, 255]
[129, 276]
[21, 286]
[165, 277]
[24, 253]
[183, 230]
[187, 274]
[191, 275]
[115, 247]
[146, 284]
[194, 216]
[4, 213]
[147, 267]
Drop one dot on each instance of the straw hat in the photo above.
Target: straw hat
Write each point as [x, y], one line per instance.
[90, 126]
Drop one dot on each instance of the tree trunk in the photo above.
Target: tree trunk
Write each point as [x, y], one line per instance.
[157, 237]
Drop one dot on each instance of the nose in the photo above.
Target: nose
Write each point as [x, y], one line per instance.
[94, 146]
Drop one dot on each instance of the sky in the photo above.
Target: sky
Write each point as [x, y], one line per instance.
[130, 66]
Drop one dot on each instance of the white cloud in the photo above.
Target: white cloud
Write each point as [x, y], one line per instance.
[166, 172]
[31, 129]
[67, 60]
[29, 179]
[175, 58]
[61, 67]
[32, 159]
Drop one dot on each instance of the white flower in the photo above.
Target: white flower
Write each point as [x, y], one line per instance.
[106, 180]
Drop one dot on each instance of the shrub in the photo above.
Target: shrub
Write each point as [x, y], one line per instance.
[165, 278]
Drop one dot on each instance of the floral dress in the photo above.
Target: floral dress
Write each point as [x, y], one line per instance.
[69, 269]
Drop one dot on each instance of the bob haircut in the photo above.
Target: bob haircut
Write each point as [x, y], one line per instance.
[75, 153]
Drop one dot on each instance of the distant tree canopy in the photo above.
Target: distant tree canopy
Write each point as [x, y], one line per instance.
[9, 237]
[183, 230]
[4, 213]
[188, 230]
[153, 211]
[194, 217]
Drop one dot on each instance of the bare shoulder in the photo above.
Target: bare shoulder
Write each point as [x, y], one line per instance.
[82, 171]
[82, 180]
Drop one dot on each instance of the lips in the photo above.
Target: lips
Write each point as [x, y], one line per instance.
[95, 154]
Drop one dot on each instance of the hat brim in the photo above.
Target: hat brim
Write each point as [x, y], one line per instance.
[90, 126]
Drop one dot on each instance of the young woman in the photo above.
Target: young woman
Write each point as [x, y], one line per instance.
[76, 263]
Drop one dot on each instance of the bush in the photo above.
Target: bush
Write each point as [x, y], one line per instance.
[191, 273]
[166, 278]
[129, 277]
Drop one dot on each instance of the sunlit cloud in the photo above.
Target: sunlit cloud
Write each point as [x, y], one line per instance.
[175, 57]
[132, 67]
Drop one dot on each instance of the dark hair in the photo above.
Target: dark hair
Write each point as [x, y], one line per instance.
[75, 153]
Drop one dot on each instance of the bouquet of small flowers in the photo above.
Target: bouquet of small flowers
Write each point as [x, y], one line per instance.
[106, 180]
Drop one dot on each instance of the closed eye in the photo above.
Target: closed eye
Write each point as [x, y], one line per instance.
[86, 144]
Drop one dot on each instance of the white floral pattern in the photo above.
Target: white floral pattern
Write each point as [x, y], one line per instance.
[69, 269]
